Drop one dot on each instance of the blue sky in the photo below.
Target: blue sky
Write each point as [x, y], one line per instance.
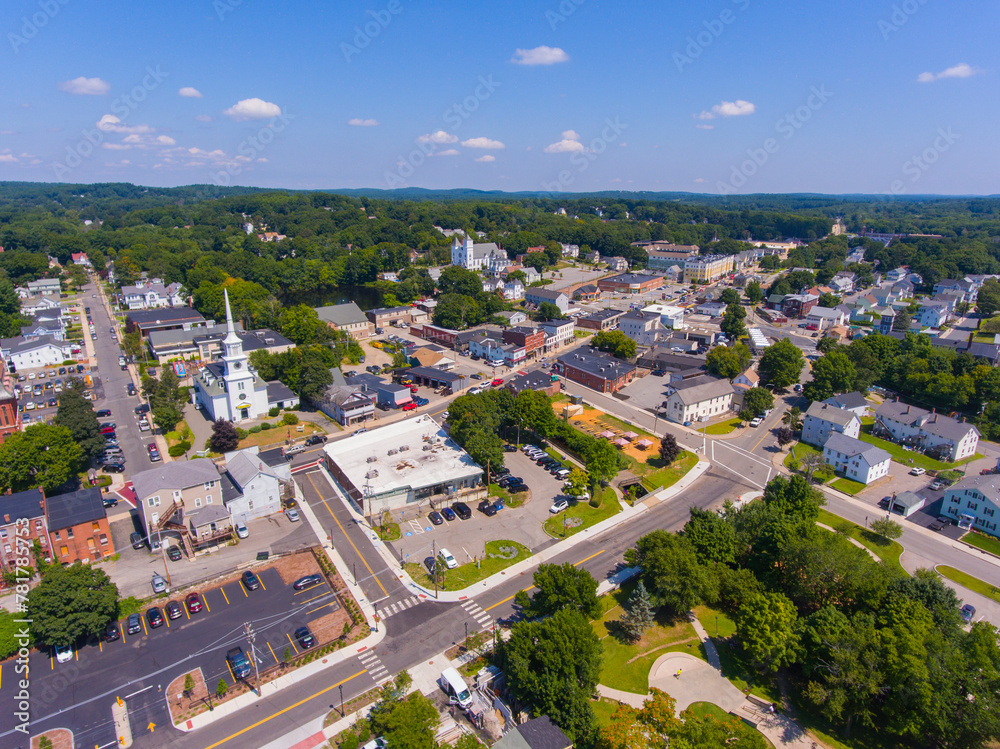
[732, 96]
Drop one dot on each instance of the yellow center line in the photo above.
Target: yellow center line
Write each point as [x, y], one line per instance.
[224, 594]
[52, 663]
[531, 587]
[363, 560]
[285, 710]
[314, 598]
[292, 643]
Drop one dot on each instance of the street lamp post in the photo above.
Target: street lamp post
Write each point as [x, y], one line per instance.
[341, 687]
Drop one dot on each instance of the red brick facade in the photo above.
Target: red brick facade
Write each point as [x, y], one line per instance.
[600, 384]
[82, 542]
[531, 339]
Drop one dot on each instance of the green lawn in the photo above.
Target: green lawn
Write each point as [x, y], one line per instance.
[911, 457]
[661, 478]
[715, 621]
[848, 486]
[625, 665]
[725, 427]
[604, 710]
[888, 551]
[610, 506]
[982, 541]
[707, 709]
[465, 575]
[970, 582]
[799, 451]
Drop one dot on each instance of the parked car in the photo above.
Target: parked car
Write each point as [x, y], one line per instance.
[316, 439]
[475, 376]
[448, 513]
[249, 580]
[108, 431]
[242, 531]
[193, 602]
[917, 471]
[756, 421]
[936, 486]
[559, 505]
[113, 468]
[103, 413]
[137, 540]
[487, 508]
[305, 638]
[462, 510]
[141, 409]
[64, 653]
[109, 500]
[420, 401]
[239, 663]
[307, 582]
[435, 517]
[411, 406]
[133, 624]
[159, 584]
[175, 553]
[111, 632]
[173, 610]
[154, 617]
[292, 515]
[967, 612]
[449, 561]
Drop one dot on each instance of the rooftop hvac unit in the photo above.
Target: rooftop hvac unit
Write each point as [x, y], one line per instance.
[371, 459]
[393, 452]
[427, 447]
[404, 448]
[373, 474]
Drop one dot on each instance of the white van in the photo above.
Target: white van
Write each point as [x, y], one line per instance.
[455, 687]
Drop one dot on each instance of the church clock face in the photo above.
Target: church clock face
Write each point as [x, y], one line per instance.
[238, 365]
[243, 396]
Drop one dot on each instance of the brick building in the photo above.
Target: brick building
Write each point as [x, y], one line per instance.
[78, 527]
[531, 339]
[10, 417]
[22, 516]
[604, 374]
[605, 319]
[630, 283]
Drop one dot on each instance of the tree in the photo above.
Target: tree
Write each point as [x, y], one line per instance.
[406, 722]
[484, 446]
[669, 449]
[766, 626]
[670, 570]
[793, 497]
[728, 361]
[42, 455]
[314, 377]
[552, 667]
[301, 324]
[550, 311]
[832, 373]
[755, 294]
[988, 298]
[732, 322]
[558, 587]
[457, 311]
[902, 321]
[712, 537]
[886, 528]
[756, 401]
[72, 603]
[638, 614]
[785, 436]
[828, 300]
[729, 296]
[792, 418]
[577, 484]
[77, 414]
[601, 459]
[167, 417]
[826, 344]
[224, 436]
[781, 364]
[458, 280]
[614, 342]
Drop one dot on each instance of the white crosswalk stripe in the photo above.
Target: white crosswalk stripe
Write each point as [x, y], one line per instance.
[394, 608]
[474, 610]
[374, 666]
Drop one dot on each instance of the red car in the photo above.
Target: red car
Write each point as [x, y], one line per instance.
[411, 406]
[414, 389]
[497, 383]
[193, 603]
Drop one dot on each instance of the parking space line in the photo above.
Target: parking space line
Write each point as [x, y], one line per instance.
[292, 643]
[321, 607]
[261, 581]
[272, 653]
[186, 611]
[121, 631]
[306, 590]
[143, 620]
[304, 700]
[314, 598]
[337, 521]
[224, 594]
[100, 645]
[204, 599]
[231, 674]
[244, 589]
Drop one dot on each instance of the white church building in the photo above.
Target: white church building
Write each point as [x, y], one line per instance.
[229, 388]
[478, 256]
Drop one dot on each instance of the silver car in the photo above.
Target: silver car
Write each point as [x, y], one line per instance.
[159, 584]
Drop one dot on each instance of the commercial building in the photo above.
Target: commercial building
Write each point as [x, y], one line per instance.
[78, 527]
[630, 283]
[599, 372]
[349, 318]
[605, 319]
[558, 333]
[936, 434]
[411, 463]
[166, 318]
[383, 317]
[823, 419]
[538, 380]
[347, 404]
[532, 340]
[669, 256]
[538, 295]
[698, 399]
[856, 459]
[642, 327]
[670, 316]
[798, 305]
[707, 268]
[975, 503]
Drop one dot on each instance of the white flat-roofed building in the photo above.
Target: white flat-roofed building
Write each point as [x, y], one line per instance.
[407, 464]
[670, 316]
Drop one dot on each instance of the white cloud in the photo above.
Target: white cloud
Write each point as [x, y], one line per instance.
[700, 180]
[358, 122]
[539, 56]
[7, 158]
[570, 142]
[487, 158]
[439, 136]
[446, 152]
[111, 124]
[252, 109]
[85, 86]
[190, 93]
[6, 132]
[705, 127]
[116, 146]
[736, 108]
[131, 139]
[482, 143]
[204, 118]
[962, 70]
[166, 140]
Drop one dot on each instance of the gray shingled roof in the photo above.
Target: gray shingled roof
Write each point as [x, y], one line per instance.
[833, 414]
[988, 486]
[26, 504]
[173, 476]
[67, 510]
[851, 447]
[847, 400]
[932, 423]
[703, 388]
[348, 313]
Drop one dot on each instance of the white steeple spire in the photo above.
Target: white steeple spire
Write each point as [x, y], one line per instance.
[231, 337]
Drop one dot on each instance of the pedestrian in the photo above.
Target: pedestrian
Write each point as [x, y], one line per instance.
[678, 675]
[771, 710]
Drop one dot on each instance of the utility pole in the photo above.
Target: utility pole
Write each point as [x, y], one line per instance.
[434, 567]
[251, 637]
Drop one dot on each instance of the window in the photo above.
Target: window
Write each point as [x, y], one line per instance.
[208, 499]
[3, 533]
[91, 544]
[197, 501]
[209, 485]
[96, 527]
[153, 501]
[63, 551]
[104, 540]
[177, 494]
[69, 533]
[38, 525]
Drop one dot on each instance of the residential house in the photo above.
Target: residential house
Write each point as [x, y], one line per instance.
[253, 488]
[78, 527]
[347, 404]
[673, 274]
[558, 333]
[152, 294]
[904, 289]
[822, 420]
[22, 522]
[39, 328]
[886, 321]
[34, 305]
[570, 250]
[855, 459]
[824, 317]
[432, 356]
[854, 402]
[616, 264]
[587, 293]
[538, 733]
[712, 309]
[80, 258]
[975, 503]
[512, 317]
[932, 314]
[539, 295]
[179, 500]
[605, 319]
[943, 436]
[513, 291]
[599, 372]
[349, 318]
[44, 351]
[746, 380]
[45, 287]
[642, 327]
[966, 288]
[843, 283]
[798, 305]
[699, 398]
[897, 274]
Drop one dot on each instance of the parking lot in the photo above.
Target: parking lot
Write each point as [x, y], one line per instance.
[466, 539]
